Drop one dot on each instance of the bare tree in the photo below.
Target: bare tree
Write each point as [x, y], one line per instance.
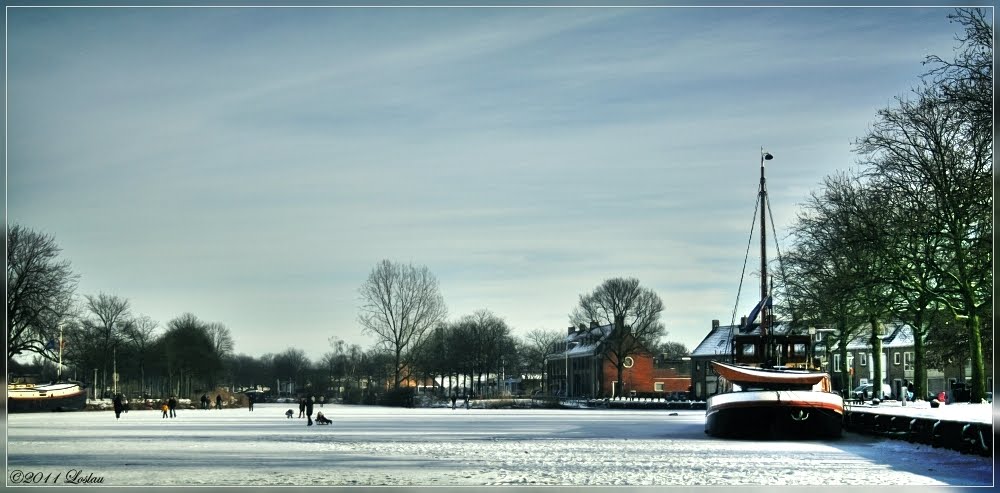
[39, 291]
[222, 338]
[108, 317]
[399, 305]
[292, 364]
[924, 141]
[537, 344]
[634, 311]
[489, 338]
[190, 356]
[139, 332]
[966, 82]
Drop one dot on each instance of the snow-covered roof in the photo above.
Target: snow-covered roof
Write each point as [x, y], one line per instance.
[583, 342]
[716, 342]
[900, 335]
[718, 339]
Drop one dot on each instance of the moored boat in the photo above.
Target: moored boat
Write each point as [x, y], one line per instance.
[772, 388]
[56, 396]
[24, 395]
[775, 403]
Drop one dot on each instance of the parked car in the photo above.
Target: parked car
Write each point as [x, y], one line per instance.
[865, 391]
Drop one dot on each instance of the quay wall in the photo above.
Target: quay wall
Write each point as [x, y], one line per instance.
[964, 434]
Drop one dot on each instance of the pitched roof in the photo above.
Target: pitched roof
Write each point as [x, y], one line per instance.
[899, 335]
[718, 340]
[583, 342]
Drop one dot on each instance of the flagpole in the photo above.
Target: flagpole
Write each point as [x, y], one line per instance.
[59, 370]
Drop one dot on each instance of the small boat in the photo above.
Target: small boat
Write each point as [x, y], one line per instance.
[56, 396]
[772, 387]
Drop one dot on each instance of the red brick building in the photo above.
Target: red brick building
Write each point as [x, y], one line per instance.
[579, 367]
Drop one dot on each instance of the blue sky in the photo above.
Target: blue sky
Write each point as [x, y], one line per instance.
[251, 166]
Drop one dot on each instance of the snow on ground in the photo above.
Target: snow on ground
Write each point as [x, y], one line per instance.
[445, 447]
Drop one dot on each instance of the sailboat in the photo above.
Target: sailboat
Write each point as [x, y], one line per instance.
[771, 387]
[24, 395]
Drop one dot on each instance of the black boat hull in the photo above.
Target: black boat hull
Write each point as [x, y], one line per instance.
[744, 416]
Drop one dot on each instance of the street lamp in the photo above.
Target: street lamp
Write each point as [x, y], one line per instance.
[812, 346]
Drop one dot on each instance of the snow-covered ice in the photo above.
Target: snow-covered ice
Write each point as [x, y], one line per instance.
[445, 447]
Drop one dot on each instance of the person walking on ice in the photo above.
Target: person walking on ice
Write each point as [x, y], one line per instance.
[218, 401]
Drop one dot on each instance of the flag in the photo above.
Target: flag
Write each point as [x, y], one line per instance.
[51, 344]
[756, 310]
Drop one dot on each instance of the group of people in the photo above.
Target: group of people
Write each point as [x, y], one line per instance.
[170, 406]
[206, 402]
[306, 411]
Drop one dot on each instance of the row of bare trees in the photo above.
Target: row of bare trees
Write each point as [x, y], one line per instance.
[909, 236]
[402, 307]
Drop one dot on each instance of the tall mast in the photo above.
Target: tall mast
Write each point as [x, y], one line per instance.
[765, 311]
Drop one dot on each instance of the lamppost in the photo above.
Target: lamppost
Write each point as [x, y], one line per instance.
[566, 358]
[826, 346]
[812, 347]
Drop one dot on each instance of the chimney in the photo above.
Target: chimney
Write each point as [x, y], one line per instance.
[715, 324]
[743, 321]
[582, 327]
[593, 324]
[571, 329]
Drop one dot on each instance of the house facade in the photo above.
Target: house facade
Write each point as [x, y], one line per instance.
[579, 367]
[897, 357]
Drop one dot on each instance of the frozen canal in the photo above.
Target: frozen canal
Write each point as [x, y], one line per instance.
[387, 446]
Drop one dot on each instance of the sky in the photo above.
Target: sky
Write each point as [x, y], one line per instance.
[251, 166]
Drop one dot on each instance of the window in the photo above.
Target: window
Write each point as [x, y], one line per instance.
[836, 362]
[658, 386]
[747, 349]
[907, 361]
[895, 358]
[628, 362]
[863, 359]
[799, 350]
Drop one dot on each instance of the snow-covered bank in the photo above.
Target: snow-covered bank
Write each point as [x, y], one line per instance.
[963, 411]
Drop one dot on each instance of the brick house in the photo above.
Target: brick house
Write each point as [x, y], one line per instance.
[578, 367]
